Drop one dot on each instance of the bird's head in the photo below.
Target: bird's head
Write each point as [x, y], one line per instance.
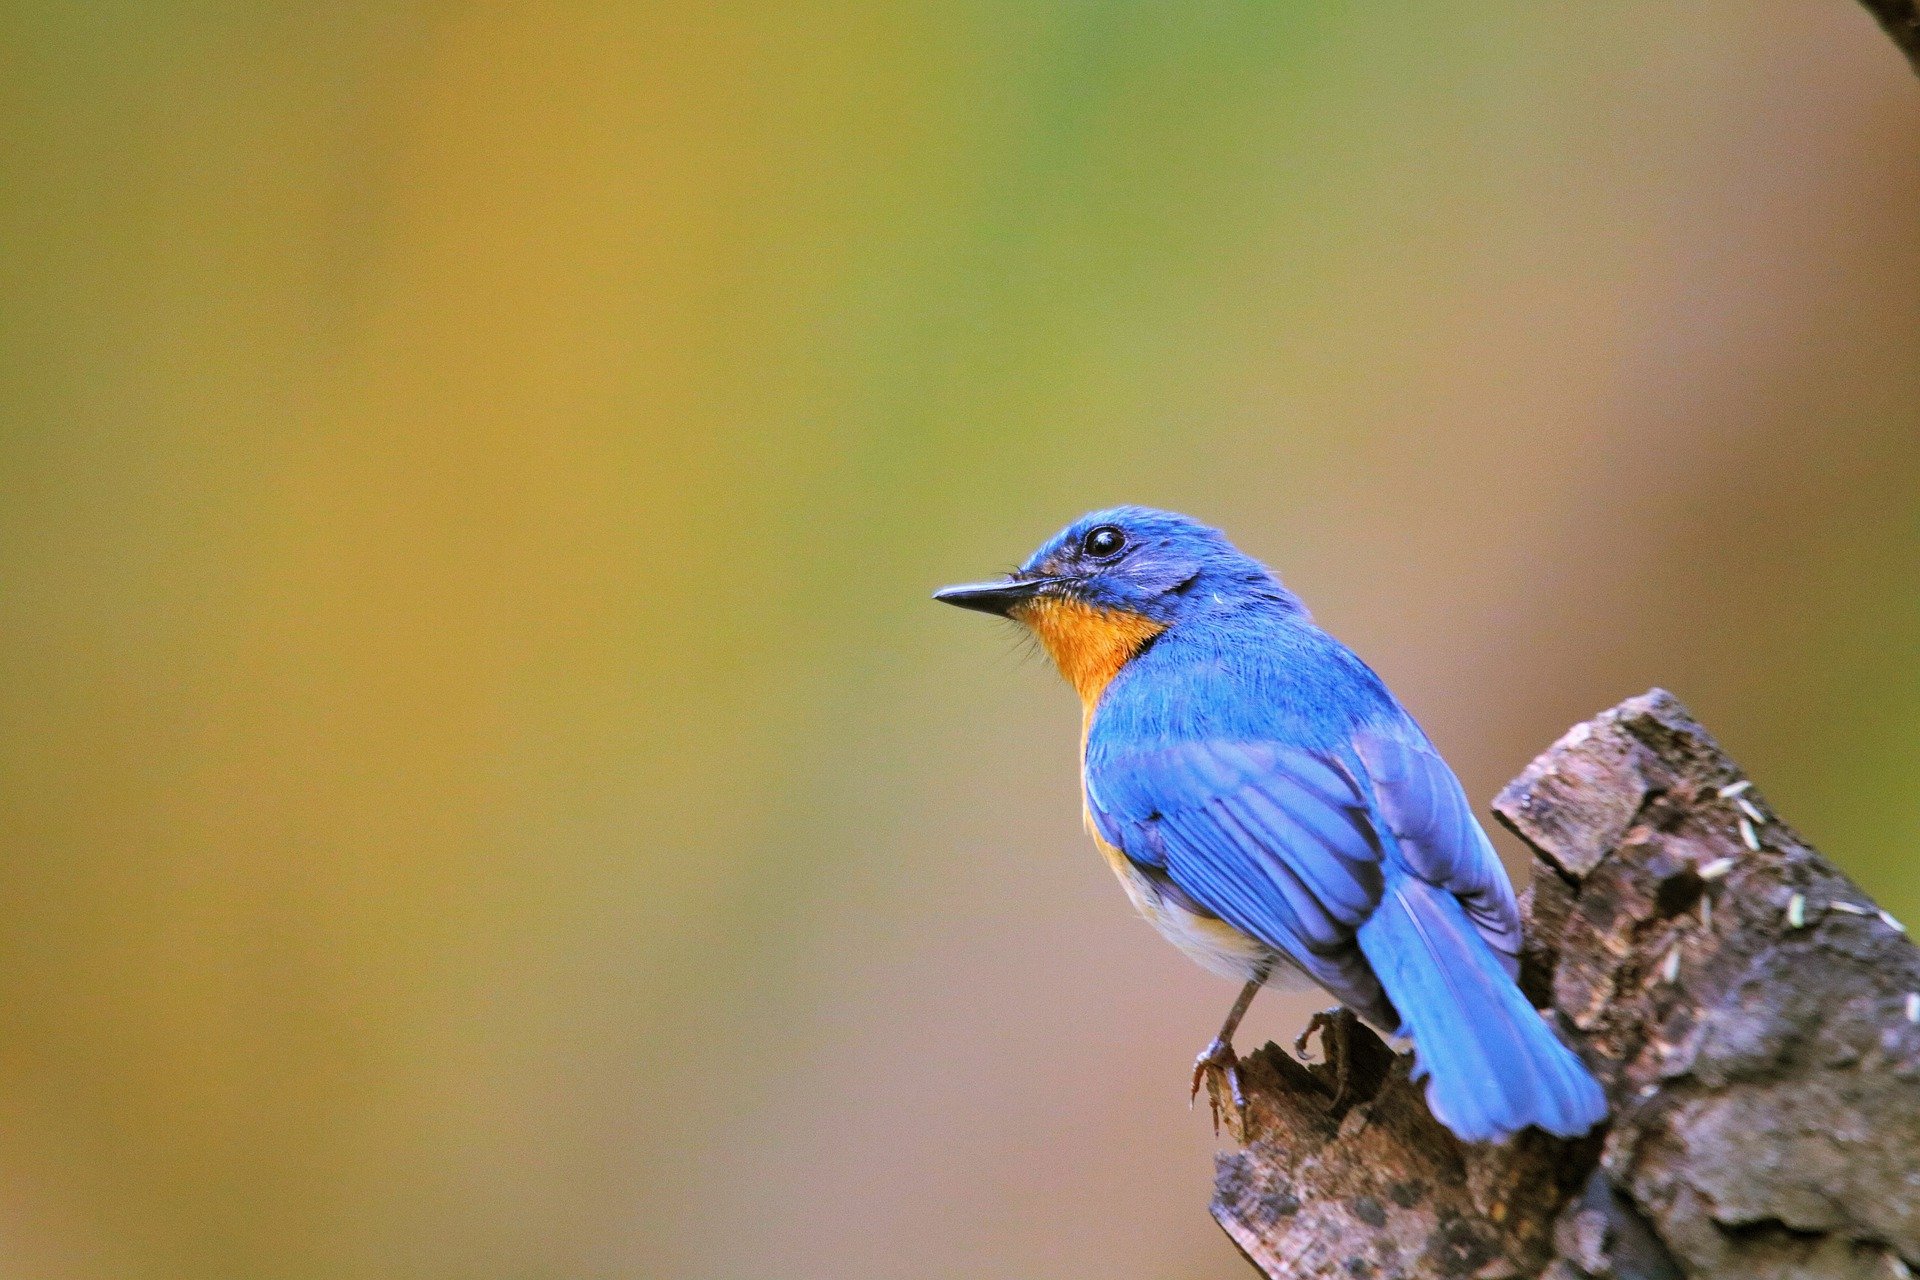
[1105, 587]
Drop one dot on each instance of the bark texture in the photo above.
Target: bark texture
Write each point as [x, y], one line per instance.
[1754, 1018]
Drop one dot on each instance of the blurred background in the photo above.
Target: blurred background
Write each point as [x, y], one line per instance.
[483, 791]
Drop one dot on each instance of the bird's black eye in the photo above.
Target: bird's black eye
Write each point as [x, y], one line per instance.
[1103, 543]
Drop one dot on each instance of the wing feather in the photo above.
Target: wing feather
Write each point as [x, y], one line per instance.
[1275, 840]
[1423, 805]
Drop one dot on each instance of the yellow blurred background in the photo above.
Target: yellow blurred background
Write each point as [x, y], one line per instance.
[483, 791]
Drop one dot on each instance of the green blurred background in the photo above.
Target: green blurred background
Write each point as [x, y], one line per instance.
[483, 791]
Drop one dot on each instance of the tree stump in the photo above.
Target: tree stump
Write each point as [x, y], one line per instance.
[1754, 1018]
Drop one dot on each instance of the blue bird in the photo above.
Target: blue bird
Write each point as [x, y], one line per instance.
[1277, 814]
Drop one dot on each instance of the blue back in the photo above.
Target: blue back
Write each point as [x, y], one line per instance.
[1255, 760]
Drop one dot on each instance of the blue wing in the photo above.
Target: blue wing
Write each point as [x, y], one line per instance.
[1421, 803]
[1277, 841]
[1291, 845]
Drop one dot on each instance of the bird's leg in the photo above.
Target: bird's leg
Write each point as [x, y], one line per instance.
[1335, 1026]
[1220, 1058]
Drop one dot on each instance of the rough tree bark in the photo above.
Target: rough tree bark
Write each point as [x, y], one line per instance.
[1754, 1018]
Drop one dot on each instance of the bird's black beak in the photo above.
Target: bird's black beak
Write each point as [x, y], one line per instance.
[999, 598]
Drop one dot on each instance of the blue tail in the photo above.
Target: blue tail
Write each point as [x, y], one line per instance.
[1492, 1064]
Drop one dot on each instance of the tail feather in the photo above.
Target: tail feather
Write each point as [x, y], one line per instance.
[1492, 1064]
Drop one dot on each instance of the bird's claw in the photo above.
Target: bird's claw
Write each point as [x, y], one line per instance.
[1321, 1022]
[1335, 1026]
[1215, 1063]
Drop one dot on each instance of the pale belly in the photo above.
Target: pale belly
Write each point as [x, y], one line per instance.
[1211, 943]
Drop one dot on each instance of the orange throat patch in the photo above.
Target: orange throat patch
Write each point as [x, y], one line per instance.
[1089, 645]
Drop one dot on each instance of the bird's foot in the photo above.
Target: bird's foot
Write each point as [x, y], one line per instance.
[1336, 1029]
[1218, 1066]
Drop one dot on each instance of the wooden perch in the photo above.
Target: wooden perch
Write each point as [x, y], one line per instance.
[1753, 1017]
